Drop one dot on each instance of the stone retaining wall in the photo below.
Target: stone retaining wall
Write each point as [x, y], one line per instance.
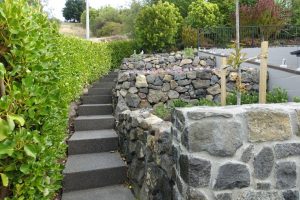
[250, 152]
[165, 77]
[145, 142]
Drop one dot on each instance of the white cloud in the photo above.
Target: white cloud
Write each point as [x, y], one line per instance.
[56, 6]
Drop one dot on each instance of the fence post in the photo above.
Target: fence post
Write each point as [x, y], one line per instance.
[198, 38]
[263, 72]
[223, 80]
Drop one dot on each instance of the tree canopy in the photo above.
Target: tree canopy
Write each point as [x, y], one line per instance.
[73, 10]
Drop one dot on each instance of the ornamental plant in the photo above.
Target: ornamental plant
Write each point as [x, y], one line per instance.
[203, 14]
[157, 26]
[43, 72]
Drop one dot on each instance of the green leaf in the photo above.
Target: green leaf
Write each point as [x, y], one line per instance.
[6, 148]
[2, 71]
[18, 119]
[25, 168]
[30, 151]
[4, 179]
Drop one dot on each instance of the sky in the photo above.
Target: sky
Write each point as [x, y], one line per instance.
[56, 6]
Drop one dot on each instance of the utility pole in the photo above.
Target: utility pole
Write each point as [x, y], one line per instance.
[237, 27]
[87, 20]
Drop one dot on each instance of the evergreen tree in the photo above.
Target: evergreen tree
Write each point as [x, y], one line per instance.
[73, 10]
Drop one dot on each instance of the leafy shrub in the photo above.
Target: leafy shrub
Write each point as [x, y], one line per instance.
[43, 73]
[189, 36]
[188, 53]
[162, 112]
[157, 26]
[178, 103]
[109, 29]
[121, 50]
[206, 102]
[203, 14]
[277, 95]
[296, 99]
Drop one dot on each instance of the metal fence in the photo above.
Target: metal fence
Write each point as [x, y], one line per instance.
[251, 36]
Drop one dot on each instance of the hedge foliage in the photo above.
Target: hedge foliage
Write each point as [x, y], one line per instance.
[121, 49]
[42, 72]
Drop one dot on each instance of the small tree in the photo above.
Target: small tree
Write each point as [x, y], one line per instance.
[203, 14]
[73, 10]
[157, 26]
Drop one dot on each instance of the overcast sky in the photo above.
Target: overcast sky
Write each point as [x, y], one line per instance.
[56, 6]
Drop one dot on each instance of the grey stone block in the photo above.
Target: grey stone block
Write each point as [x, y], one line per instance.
[261, 195]
[286, 175]
[223, 196]
[263, 163]
[291, 195]
[95, 109]
[194, 171]
[217, 136]
[263, 186]
[232, 176]
[247, 154]
[286, 150]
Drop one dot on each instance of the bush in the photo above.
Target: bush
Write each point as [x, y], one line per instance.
[189, 36]
[162, 112]
[157, 26]
[121, 50]
[109, 29]
[203, 14]
[43, 73]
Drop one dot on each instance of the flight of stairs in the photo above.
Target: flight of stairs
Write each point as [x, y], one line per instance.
[94, 169]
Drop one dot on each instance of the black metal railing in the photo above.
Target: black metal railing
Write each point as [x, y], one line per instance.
[250, 36]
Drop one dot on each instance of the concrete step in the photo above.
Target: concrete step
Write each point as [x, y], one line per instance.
[107, 85]
[96, 99]
[106, 79]
[117, 192]
[99, 91]
[83, 142]
[94, 122]
[95, 109]
[86, 171]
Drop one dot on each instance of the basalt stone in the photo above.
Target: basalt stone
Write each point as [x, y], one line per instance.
[133, 90]
[141, 81]
[263, 163]
[191, 75]
[149, 66]
[194, 171]
[223, 196]
[155, 87]
[194, 194]
[261, 195]
[210, 62]
[171, 59]
[200, 84]
[126, 85]
[151, 78]
[166, 87]
[286, 150]
[155, 96]
[217, 136]
[247, 154]
[168, 78]
[123, 77]
[230, 86]
[186, 62]
[184, 82]
[132, 100]
[181, 89]
[179, 76]
[142, 95]
[158, 81]
[263, 186]
[173, 84]
[214, 90]
[286, 175]
[204, 75]
[144, 90]
[173, 94]
[203, 63]
[291, 195]
[232, 176]
[268, 125]
[214, 79]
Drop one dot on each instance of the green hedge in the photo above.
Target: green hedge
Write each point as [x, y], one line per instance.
[43, 72]
[121, 49]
